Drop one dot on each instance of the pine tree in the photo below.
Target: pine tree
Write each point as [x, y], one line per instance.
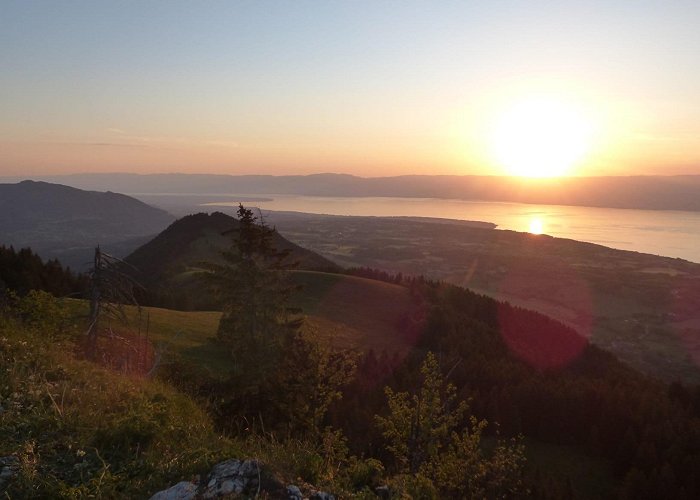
[278, 377]
[254, 286]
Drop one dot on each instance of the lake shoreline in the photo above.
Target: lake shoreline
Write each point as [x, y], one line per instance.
[674, 234]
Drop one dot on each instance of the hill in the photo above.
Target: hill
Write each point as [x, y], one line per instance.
[62, 222]
[166, 265]
[680, 192]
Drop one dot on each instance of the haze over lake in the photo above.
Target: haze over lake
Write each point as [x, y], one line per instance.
[667, 233]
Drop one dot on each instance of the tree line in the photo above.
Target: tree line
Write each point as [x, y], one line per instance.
[23, 270]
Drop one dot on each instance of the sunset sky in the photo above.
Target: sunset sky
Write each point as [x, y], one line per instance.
[368, 88]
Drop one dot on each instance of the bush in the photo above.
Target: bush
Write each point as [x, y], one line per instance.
[413, 486]
[436, 454]
[365, 473]
[44, 313]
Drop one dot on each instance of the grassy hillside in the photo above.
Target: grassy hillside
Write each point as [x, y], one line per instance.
[592, 423]
[352, 312]
[346, 312]
[359, 313]
[79, 430]
[82, 430]
[72, 428]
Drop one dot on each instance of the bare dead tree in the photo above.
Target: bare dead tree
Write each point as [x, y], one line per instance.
[111, 288]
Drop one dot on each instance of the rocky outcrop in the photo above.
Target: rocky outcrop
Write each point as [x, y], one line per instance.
[233, 478]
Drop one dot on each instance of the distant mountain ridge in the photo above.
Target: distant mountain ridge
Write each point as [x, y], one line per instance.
[680, 192]
[64, 222]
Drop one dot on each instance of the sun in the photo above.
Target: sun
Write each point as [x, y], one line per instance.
[540, 137]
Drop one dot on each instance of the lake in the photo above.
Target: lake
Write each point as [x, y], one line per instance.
[667, 233]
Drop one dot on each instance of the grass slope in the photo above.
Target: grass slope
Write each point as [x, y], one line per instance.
[80, 430]
[343, 311]
[353, 312]
[110, 412]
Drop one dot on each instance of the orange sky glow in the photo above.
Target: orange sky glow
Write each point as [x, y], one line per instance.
[369, 89]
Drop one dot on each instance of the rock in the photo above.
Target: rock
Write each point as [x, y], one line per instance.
[184, 490]
[8, 470]
[382, 492]
[294, 493]
[232, 477]
[321, 495]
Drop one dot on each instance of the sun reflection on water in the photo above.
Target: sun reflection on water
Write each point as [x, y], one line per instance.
[536, 226]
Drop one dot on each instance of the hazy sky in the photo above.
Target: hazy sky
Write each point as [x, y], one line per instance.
[370, 88]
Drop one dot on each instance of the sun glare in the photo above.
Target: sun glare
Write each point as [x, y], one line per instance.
[540, 137]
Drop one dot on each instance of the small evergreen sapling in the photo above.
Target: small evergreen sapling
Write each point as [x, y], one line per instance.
[436, 454]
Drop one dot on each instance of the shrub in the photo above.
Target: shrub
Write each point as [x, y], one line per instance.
[44, 313]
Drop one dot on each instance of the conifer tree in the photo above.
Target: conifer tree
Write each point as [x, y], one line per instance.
[254, 286]
[277, 375]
